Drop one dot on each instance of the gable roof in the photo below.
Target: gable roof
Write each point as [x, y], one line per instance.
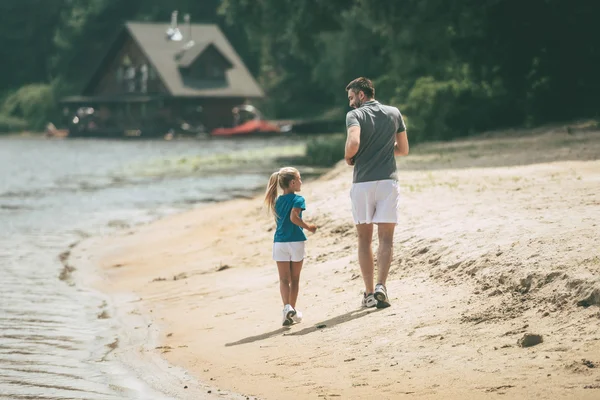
[188, 55]
[192, 51]
[162, 54]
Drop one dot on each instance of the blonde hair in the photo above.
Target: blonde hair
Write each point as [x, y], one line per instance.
[281, 178]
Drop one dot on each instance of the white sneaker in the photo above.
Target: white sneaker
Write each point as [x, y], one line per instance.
[288, 313]
[298, 317]
[381, 296]
[368, 300]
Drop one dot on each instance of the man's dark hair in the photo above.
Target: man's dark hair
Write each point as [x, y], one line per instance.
[363, 84]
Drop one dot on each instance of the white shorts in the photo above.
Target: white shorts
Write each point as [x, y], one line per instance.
[288, 251]
[375, 202]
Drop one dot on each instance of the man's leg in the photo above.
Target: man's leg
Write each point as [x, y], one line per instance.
[365, 254]
[385, 232]
[385, 251]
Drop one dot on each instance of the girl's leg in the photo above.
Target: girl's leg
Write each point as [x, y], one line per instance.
[295, 269]
[284, 280]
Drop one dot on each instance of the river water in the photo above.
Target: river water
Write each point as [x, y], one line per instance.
[53, 193]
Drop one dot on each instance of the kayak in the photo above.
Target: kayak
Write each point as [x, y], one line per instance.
[253, 127]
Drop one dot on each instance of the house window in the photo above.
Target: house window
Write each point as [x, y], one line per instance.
[119, 75]
[151, 73]
[208, 71]
[214, 72]
[144, 78]
[130, 79]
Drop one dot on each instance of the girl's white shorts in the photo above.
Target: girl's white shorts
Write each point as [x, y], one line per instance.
[288, 251]
[375, 202]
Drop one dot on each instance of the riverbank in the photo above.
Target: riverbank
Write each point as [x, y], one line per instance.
[59, 337]
[499, 239]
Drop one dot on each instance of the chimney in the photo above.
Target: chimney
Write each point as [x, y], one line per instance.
[188, 21]
[174, 19]
[190, 43]
[173, 32]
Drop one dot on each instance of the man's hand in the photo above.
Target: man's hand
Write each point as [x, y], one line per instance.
[350, 161]
[311, 227]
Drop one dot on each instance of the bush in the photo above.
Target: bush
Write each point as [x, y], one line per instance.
[429, 105]
[10, 124]
[325, 150]
[34, 103]
[441, 110]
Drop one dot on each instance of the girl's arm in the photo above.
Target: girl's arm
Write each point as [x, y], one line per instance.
[295, 218]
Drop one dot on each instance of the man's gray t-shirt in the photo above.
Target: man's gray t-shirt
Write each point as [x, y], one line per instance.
[378, 127]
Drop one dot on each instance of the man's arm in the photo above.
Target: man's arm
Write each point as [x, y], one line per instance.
[401, 146]
[353, 139]
[352, 144]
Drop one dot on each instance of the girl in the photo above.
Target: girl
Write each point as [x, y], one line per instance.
[288, 246]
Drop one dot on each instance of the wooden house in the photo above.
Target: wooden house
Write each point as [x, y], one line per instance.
[157, 76]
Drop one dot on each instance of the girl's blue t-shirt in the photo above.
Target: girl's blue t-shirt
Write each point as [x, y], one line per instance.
[286, 230]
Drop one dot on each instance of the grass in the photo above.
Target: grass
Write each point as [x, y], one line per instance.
[246, 160]
[313, 152]
[9, 124]
[430, 182]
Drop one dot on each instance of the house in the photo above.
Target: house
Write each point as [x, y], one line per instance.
[158, 76]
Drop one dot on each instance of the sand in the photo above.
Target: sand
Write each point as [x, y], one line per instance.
[500, 237]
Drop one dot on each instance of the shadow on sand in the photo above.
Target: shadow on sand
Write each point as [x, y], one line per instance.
[349, 316]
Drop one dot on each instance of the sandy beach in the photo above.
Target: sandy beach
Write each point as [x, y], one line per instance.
[500, 237]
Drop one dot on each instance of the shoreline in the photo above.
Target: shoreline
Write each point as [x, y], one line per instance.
[77, 192]
[137, 341]
[511, 252]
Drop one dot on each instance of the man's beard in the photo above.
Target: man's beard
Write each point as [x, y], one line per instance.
[357, 103]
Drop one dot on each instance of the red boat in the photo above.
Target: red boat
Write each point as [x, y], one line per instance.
[253, 127]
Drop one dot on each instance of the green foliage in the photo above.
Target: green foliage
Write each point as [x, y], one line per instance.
[325, 150]
[440, 109]
[451, 67]
[26, 30]
[11, 124]
[33, 103]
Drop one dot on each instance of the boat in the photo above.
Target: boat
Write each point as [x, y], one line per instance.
[254, 127]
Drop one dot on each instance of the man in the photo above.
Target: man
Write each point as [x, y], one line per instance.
[376, 133]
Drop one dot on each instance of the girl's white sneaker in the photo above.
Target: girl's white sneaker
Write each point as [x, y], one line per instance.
[288, 313]
[369, 300]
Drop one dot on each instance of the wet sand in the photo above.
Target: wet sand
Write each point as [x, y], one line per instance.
[57, 337]
[499, 239]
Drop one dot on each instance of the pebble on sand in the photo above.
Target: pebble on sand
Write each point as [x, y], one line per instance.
[530, 339]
